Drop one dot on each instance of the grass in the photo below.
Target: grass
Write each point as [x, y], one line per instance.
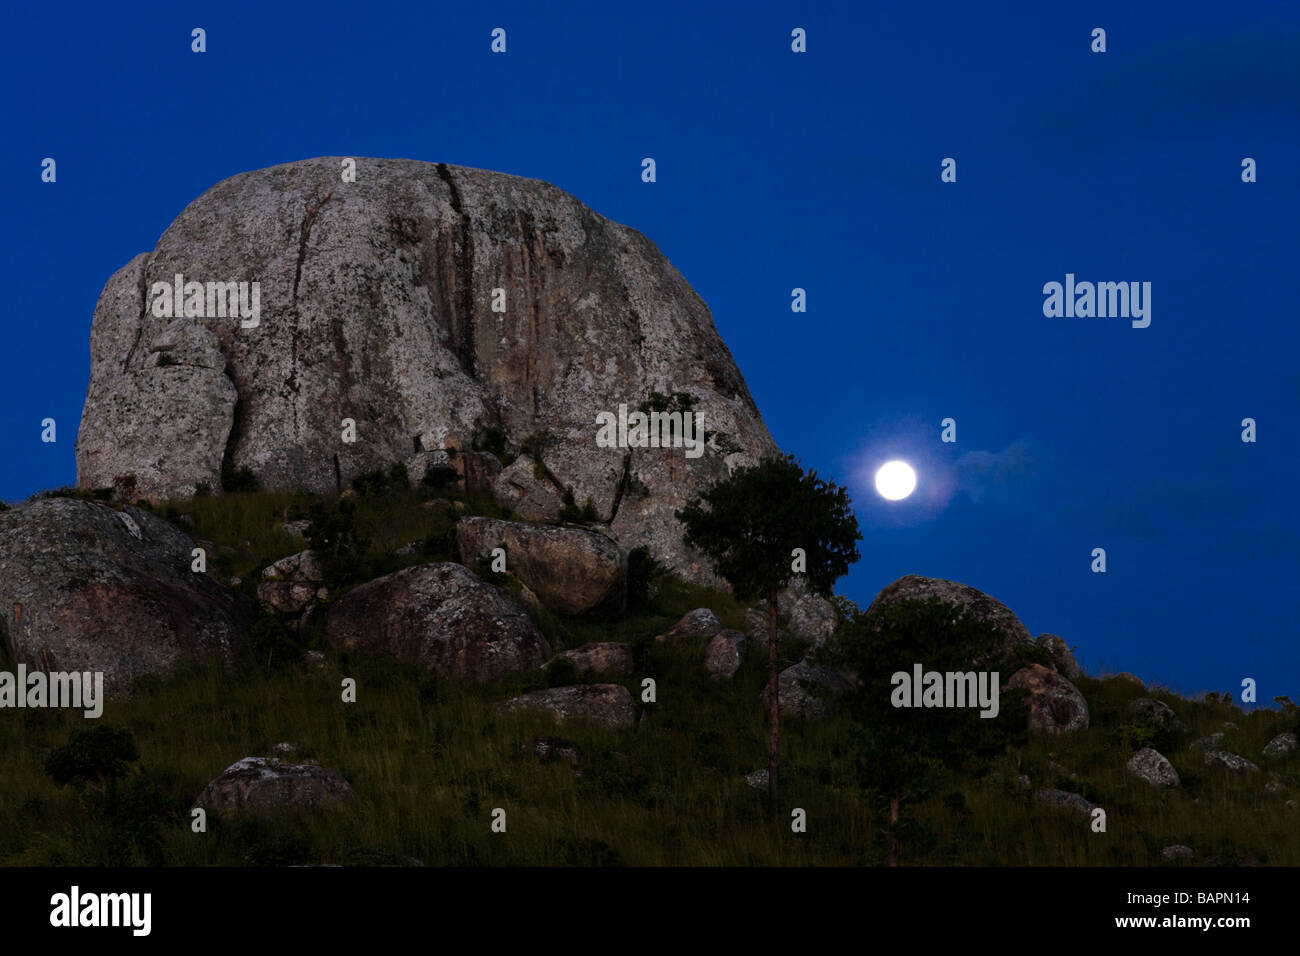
[430, 760]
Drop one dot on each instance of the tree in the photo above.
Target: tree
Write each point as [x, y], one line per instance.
[903, 753]
[762, 525]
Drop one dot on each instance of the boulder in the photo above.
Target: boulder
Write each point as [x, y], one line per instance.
[1130, 678]
[1062, 657]
[607, 705]
[1055, 705]
[801, 612]
[1176, 853]
[799, 701]
[84, 587]
[1151, 767]
[977, 603]
[265, 785]
[374, 304]
[571, 570]
[701, 622]
[1281, 744]
[292, 583]
[1064, 800]
[1228, 761]
[439, 617]
[1155, 712]
[723, 656]
[608, 657]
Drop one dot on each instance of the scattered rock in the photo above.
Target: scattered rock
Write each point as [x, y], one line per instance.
[1055, 705]
[1155, 712]
[556, 748]
[723, 656]
[1023, 782]
[1275, 788]
[1233, 762]
[316, 660]
[608, 705]
[570, 569]
[1281, 744]
[758, 779]
[84, 587]
[439, 617]
[264, 785]
[1213, 742]
[1151, 767]
[1130, 678]
[1064, 800]
[1062, 656]
[1176, 853]
[701, 622]
[296, 529]
[292, 583]
[284, 748]
[796, 700]
[604, 658]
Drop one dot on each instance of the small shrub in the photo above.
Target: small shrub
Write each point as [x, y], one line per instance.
[234, 480]
[92, 757]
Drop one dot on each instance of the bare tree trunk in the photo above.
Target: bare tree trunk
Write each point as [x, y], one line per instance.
[895, 848]
[773, 700]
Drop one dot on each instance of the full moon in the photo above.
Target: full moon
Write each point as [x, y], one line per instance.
[895, 480]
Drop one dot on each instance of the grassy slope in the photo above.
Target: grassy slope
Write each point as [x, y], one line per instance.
[430, 761]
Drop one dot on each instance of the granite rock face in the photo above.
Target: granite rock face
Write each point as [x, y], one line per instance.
[376, 304]
[85, 587]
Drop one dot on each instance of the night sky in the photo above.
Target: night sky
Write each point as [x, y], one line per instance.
[821, 171]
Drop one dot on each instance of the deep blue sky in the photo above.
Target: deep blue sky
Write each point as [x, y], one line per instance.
[819, 170]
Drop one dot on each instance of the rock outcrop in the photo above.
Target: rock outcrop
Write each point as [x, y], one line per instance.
[571, 570]
[84, 587]
[375, 304]
[439, 617]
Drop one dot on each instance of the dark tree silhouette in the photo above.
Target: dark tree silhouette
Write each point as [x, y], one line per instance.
[761, 526]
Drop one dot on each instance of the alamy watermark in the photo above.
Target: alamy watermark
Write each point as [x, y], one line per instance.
[208, 300]
[84, 691]
[652, 429]
[923, 688]
[1121, 300]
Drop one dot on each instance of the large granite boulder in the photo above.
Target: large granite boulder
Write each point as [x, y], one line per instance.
[266, 785]
[1055, 705]
[1062, 657]
[977, 603]
[439, 617]
[1153, 768]
[85, 587]
[378, 302]
[795, 690]
[571, 570]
